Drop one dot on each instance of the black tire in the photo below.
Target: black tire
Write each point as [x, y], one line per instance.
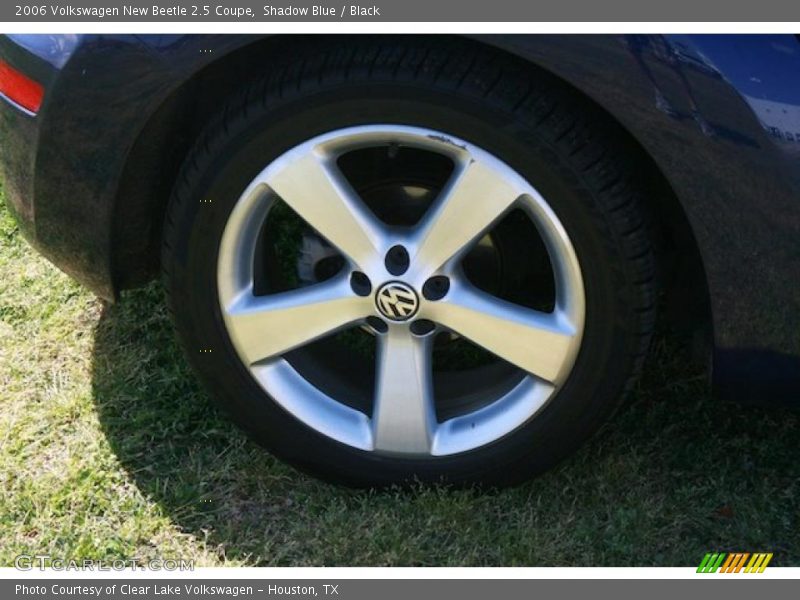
[529, 119]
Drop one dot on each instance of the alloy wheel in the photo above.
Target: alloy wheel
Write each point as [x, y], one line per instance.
[406, 283]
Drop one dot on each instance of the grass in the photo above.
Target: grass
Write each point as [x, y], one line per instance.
[109, 449]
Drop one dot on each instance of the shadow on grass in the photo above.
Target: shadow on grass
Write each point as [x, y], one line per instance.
[675, 475]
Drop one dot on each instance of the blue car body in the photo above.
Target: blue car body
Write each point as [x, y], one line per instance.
[718, 115]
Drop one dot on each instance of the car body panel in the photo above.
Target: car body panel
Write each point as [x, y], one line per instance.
[715, 114]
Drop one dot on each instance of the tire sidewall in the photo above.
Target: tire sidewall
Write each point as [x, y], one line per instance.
[242, 150]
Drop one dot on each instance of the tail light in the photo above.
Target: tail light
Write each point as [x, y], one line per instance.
[20, 89]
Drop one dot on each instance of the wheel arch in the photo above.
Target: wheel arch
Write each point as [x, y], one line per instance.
[155, 157]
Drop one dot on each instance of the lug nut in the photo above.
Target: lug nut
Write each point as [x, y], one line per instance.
[422, 327]
[436, 288]
[397, 260]
[377, 324]
[360, 283]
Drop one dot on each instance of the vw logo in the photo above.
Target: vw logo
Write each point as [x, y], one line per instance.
[397, 301]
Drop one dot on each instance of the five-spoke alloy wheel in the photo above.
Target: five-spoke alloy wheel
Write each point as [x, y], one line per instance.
[414, 260]
[480, 192]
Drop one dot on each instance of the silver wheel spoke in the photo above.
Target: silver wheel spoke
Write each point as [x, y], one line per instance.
[474, 199]
[266, 326]
[312, 185]
[542, 344]
[403, 417]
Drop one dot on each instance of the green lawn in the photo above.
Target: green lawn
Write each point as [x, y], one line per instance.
[109, 449]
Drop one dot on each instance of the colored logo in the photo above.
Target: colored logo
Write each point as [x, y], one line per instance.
[734, 562]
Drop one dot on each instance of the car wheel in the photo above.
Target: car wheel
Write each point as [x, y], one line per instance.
[412, 260]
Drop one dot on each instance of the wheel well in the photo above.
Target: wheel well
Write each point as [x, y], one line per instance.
[156, 156]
